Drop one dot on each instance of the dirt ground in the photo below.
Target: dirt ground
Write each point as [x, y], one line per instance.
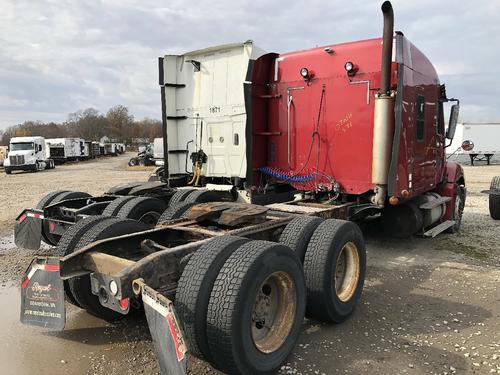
[430, 306]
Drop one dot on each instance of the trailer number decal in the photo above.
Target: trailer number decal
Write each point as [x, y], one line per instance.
[214, 109]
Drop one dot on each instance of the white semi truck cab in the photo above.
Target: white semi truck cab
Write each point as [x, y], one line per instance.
[27, 154]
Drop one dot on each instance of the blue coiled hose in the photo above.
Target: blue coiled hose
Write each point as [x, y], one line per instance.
[284, 176]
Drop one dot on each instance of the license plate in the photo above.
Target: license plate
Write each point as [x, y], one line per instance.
[168, 340]
[42, 295]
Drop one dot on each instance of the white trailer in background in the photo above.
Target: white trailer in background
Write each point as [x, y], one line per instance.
[27, 154]
[66, 149]
[481, 141]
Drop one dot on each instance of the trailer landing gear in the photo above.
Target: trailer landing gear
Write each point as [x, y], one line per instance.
[476, 157]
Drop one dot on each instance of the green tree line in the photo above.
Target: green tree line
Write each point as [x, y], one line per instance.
[117, 124]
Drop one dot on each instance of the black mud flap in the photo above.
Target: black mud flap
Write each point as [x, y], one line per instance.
[28, 230]
[42, 295]
[168, 340]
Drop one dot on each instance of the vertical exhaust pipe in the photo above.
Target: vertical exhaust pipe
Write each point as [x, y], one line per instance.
[161, 80]
[383, 126]
[387, 38]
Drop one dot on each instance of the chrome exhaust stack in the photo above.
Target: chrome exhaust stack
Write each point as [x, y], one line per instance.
[383, 122]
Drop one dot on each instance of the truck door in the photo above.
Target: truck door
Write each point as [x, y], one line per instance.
[424, 169]
[440, 142]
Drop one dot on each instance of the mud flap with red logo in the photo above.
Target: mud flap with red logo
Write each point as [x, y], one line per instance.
[42, 295]
[168, 340]
[28, 229]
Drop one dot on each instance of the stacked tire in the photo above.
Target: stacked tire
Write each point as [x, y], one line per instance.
[177, 206]
[181, 202]
[242, 302]
[146, 210]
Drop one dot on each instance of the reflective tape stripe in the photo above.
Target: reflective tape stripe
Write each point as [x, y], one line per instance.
[35, 215]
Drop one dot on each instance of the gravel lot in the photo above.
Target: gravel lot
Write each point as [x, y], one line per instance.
[430, 306]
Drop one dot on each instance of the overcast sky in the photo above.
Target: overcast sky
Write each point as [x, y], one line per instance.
[58, 56]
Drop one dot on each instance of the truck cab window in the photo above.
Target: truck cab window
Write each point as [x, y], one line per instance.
[22, 146]
[420, 117]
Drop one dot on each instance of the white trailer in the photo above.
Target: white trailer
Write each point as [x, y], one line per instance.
[66, 149]
[481, 141]
[27, 154]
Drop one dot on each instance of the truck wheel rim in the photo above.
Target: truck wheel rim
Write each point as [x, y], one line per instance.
[273, 312]
[347, 272]
[150, 218]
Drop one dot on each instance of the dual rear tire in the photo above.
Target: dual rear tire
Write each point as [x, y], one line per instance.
[146, 210]
[242, 302]
[334, 263]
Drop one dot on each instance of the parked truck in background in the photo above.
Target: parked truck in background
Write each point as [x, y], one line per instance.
[62, 150]
[27, 154]
[299, 145]
[481, 141]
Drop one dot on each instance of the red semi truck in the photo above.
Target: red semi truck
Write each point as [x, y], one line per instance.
[326, 136]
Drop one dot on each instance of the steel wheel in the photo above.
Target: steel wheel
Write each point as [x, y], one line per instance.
[347, 272]
[274, 311]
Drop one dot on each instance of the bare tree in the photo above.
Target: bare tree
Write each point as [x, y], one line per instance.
[89, 124]
[120, 123]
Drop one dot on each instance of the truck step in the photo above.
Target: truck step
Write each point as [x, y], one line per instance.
[433, 232]
[430, 205]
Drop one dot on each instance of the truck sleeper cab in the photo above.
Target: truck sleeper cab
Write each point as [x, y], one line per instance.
[314, 127]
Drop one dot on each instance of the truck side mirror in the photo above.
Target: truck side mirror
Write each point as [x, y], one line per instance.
[39, 147]
[452, 124]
